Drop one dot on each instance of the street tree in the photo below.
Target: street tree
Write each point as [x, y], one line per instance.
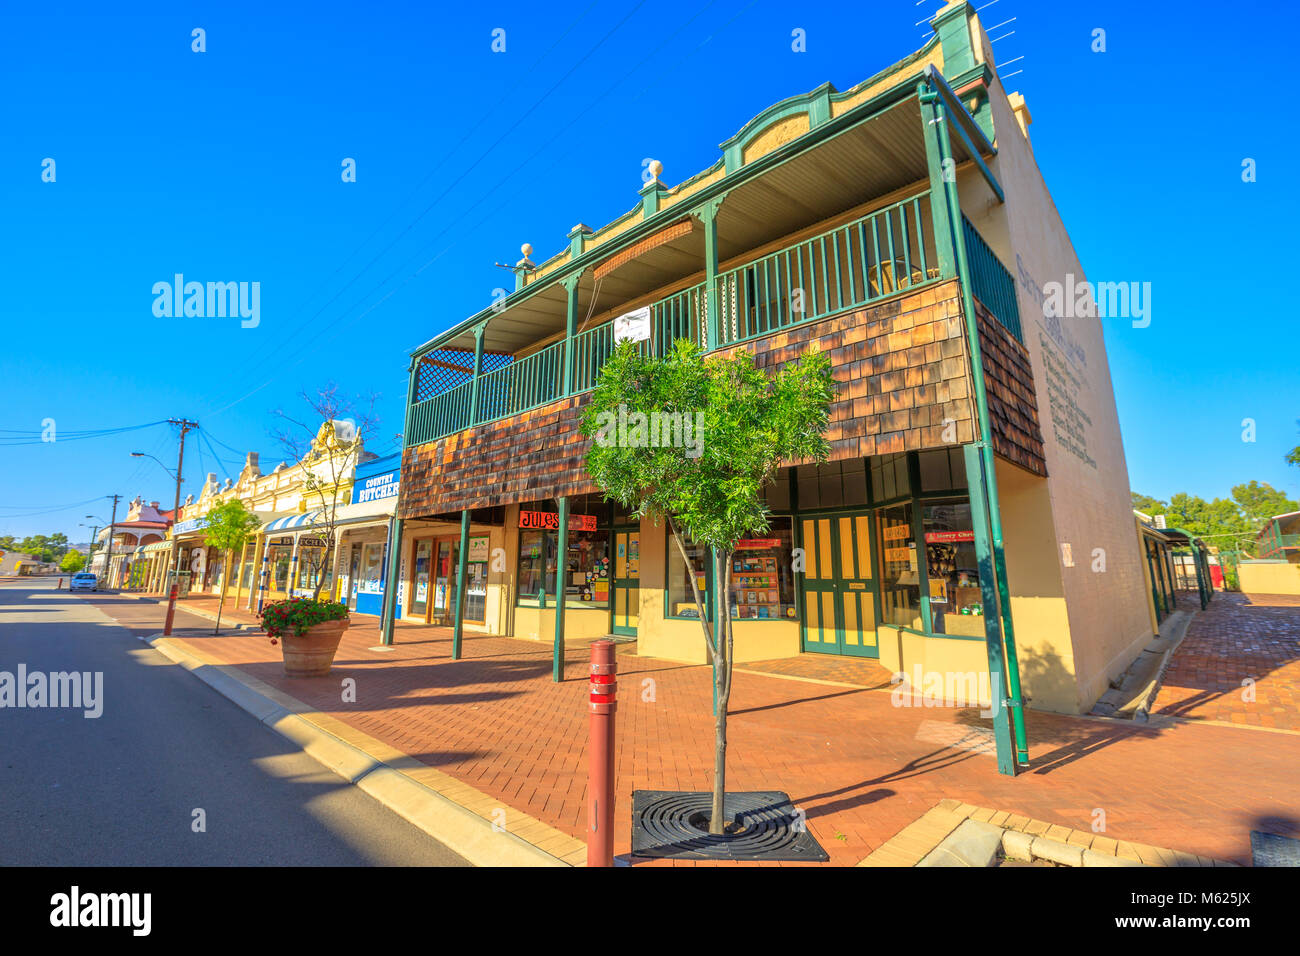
[228, 528]
[329, 445]
[736, 426]
[73, 562]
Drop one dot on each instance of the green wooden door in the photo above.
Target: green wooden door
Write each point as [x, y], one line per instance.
[839, 587]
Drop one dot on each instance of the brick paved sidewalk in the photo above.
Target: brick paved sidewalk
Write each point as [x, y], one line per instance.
[861, 768]
[1252, 638]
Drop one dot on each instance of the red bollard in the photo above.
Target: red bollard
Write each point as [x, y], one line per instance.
[171, 611]
[60, 587]
[600, 755]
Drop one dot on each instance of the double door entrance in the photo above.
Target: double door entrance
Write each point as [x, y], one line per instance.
[840, 592]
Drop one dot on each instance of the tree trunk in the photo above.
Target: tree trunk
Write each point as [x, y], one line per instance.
[225, 580]
[324, 563]
[722, 664]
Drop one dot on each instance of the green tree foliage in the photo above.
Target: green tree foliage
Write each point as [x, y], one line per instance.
[73, 562]
[1227, 523]
[736, 426]
[229, 526]
[42, 547]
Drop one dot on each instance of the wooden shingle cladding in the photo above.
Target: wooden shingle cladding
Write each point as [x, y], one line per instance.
[902, 369]
[1009, 388]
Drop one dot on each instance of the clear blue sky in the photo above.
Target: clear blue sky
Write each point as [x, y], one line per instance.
[226, 165]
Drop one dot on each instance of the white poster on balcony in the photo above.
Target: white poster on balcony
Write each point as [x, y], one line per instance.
[633, 326]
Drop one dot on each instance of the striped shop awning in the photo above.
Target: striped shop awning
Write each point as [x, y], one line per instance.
[290, 522]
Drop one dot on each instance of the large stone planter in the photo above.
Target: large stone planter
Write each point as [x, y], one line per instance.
[312, 654]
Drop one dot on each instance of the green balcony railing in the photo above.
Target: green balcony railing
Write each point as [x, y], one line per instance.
[991, 281]
[876, 256]
[442, 414]
[523, 384]
[885, 252]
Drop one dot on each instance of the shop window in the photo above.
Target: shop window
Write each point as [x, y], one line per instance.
[942, 469]
[681, 600]
[762, 579]
[952, 569]
[372, 567]
[536, 565]
[900, 590]
[421, 566]
[586, 568]
[280, 569]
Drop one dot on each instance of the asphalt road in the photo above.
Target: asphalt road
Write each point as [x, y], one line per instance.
[122, 788]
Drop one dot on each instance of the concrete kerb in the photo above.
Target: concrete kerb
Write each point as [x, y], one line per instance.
[460, 829]
[1177, 631]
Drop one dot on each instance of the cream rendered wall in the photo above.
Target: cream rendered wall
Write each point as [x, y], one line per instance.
[1269, 578]
[1088, 490]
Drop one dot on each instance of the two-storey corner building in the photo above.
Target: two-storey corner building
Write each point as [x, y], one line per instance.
[903, 227]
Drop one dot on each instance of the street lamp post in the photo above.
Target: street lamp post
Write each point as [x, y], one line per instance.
[185, 425]
[94, 530]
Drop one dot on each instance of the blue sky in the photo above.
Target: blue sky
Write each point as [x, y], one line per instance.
[225, 166]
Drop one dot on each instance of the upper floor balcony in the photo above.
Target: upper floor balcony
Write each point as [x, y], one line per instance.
[829, 221]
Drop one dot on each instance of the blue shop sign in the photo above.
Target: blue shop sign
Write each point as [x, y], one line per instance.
[377, 487]
[189, 524]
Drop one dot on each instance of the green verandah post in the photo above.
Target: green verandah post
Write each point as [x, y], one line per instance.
[561, 561]
[975, 480]
[462, 566]
[388, 608]
[943, 192]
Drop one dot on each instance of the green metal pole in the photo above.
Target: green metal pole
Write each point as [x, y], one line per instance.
[561, 562]
[1155, 590]
[388, 610]
[478, 373]
[939, 127]
[708, 214]
[1002, 732]
[570, 329]
[462, 568]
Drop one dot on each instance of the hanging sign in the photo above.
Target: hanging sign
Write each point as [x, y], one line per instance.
[550, 521]
[633, 326]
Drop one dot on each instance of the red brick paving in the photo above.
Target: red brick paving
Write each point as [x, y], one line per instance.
[849, 758]
[1238, 638]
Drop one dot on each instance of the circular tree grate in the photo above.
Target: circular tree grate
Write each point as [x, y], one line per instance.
[762, 825]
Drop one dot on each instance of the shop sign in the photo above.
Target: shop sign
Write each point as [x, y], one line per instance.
[947, 537]
[478, 549]
[633, 326]
[550, 521]
[757, 544]
[189, 524]
[377, 487]
[896, 532]
[285, 542]
[311, 542]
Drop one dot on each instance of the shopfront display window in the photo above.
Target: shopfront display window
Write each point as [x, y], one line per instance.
[280, 558]
[900, 582]
[586, 568]
[372, 566]
[952, 568]
[681, 600]
[762, 578]
[420, 577]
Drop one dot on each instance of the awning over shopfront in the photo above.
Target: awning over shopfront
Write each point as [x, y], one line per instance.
[154, 546]
[368, 511]
[292, 522]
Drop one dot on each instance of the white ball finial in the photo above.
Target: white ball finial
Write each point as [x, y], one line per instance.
[526, 249]
[656, 168]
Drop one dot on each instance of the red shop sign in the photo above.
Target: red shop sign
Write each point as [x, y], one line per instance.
[757, 544]
[935, 537]
[550, 521]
